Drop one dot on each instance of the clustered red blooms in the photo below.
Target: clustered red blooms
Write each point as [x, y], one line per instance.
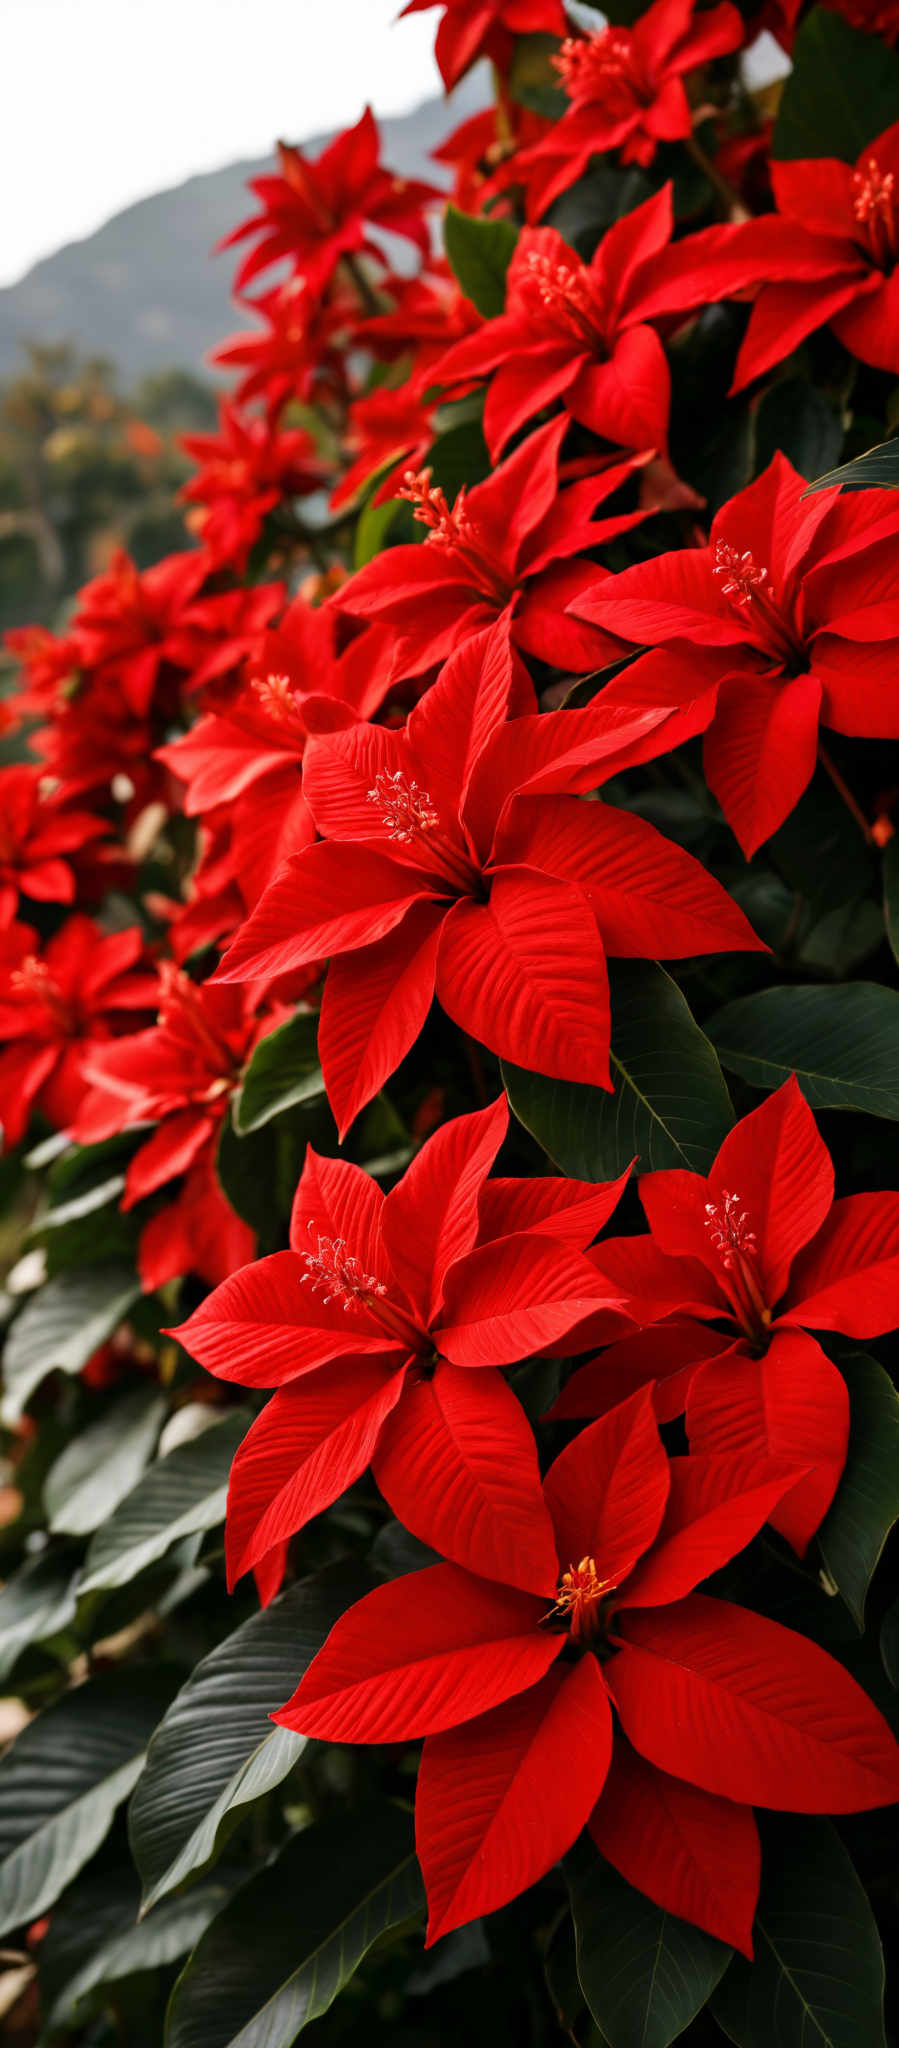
[393, 804]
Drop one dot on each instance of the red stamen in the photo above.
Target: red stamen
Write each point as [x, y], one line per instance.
[875, 210]
[579, 1593]
[451, 527]
[330, 1266]
[748, 587]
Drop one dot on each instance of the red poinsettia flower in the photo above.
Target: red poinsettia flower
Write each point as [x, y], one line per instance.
[626, 87]
[36, 834]
[246, 469]
[456, 858]
[830, 256]
[316, 211]
[501, 554]
[370, 1327]
[428, 313]
[388, 429]
[514, 1690]
[789, 615]
[57, 1006]
[180, 1075]
[294, 356]
[761, 1246]
[484, 144]
[574, 331]
[486, 28]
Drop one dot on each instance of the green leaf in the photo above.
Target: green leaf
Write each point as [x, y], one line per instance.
[179, 1495]
[670, 1104]
[479, 252]
[62, 1780]
[283, 1071]
[889, 1644]
[877, 469]
[843, 90]
[644, 1973]
[798, 420]
[247, 1167]
[217, 1749]
[891, 892]
[152, 1944]
[37, 1601]
[100, 1466]
[292, 1938]
[61, 1326]
[867, 1499]
[842, 1043]
[817, 1978]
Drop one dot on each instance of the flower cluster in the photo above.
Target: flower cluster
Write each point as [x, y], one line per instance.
[494, 675]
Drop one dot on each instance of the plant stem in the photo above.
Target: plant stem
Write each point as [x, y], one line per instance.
[365, 291]
[731, 199]
[843, 790]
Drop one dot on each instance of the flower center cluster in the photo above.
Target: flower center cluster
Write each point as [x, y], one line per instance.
[564, 294]
[751, 591]
[181, 1014]
[728, 1225]
[406, 810]
[276, 698]
[451, 527]
[34, 982]
[580, 1591]
[875, 209]
[589, 65]
[337, 1274]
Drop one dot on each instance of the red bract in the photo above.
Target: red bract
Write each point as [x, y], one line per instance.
[515, 1694]
[789, 615]
[574, 331]
[626, 91]
[501, 555]
[456, 858]
[762, 1246]
[428, 312]
[57, 1006]
[486, 28]
[829, 257]
[181, 1075]
[315, 212]
[246, 469]
[36, 833]
[370, 1327]
[389, 429]
[294, 356]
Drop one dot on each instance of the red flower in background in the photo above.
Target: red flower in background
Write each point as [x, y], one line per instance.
[456, 859]
[294, 356]
[180, 1075]
[428, 312]
[316, 211]
[830, 256]
[370, 1326]
[501, 555]
[36, 835]
[514, 1690]
[789, 615]
[58, 1005]
[627, 92]
[486, 28]
[389, 429]
[761, 1246]
[574, 331]
[246, 469]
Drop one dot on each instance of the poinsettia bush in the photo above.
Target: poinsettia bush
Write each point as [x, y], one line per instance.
[449, 1055]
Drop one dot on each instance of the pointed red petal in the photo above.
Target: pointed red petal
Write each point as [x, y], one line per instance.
[263, 1326]
[777, 1163]
[340, 1200]
[303, 1451]
[421, 1654]
[431, 1217]
[691, 1852]
[667, 1353]
[501, 1800]
[374, 1006]
[329, 899]
[568, 1210]
[514, 1297]
[848, 1278]
[607, 1490]
[792, 1404]
[751, 1710]
[715, 1507]
[760, 751]
[458, 1465]
[525, 974]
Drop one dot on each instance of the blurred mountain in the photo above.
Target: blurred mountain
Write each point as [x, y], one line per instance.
[146, 292]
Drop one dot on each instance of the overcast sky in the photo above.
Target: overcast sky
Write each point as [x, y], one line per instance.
[105, 101]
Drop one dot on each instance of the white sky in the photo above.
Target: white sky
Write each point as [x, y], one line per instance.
[105, 101]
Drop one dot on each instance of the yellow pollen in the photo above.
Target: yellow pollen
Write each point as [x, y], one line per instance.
[579, 1590]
